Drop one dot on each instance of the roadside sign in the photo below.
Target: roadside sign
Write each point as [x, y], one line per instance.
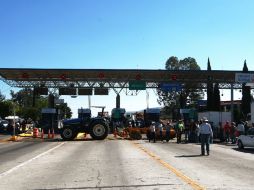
[170, 87]
[85, 91]
[59, 101]
[184, 111]
[67, 91]
[244, 78]
[100, 91]
[137, 85]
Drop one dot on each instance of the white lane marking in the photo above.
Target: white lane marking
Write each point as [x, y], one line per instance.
[28, 161]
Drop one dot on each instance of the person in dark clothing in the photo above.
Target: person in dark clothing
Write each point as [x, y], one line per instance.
[152, 134]
[168, 128]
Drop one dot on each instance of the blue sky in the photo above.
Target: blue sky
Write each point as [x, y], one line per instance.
[125, 34]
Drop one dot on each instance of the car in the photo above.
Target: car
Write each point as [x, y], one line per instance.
[4, 126]
[246, 140]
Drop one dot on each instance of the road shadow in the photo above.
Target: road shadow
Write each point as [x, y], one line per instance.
[154, 186]
[245, 150]
[189, 156]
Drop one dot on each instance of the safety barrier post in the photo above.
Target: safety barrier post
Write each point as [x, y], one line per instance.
[35, 132]
[53, 133]
[49, 134]
[115, 133]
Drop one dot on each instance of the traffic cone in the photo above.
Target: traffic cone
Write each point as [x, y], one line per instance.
[125, 134]
[42, 133]
[53, 134]
[49, 134]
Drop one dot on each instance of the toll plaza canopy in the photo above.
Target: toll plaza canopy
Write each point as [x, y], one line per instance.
[113, 78]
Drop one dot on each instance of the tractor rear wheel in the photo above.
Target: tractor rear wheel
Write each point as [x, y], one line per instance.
[99, 131]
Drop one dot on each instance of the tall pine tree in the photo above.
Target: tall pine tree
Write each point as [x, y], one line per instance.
[246, 96]
[216, 98]
[209, 89]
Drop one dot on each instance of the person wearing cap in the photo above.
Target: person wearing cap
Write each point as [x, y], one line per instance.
[206, 133]
[152, 135]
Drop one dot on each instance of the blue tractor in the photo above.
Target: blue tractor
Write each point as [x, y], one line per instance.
[97, 127]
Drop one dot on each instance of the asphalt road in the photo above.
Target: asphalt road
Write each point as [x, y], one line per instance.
[123, 164]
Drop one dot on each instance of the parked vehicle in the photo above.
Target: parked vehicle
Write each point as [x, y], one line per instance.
[3, 126]
[11, 120]
[246, 140]
[97, 127]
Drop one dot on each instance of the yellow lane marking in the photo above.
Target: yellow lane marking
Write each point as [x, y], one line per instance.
[195, 185]
[25, 135]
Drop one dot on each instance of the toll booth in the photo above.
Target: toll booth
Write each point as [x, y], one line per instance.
[50, 119]
[117, 118]
[151, 114]
[117, 114]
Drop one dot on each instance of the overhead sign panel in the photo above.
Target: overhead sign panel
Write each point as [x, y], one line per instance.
[67, 91]
[85, 91]
[170, 87]
[100, 91]
[137, 85]
[41, 91]
[244, 78]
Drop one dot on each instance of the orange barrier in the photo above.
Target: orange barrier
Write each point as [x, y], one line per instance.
[53, 134]
[49, 134]
[35, 132]
[115, 133]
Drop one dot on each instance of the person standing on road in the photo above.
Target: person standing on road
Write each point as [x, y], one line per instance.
[205, 133]
[197, 138]
[227, 131]
[160, 127]
[152, 135]
[233, 130]
[168, 127]
[241, 128]
[179, 130]
[187, 131]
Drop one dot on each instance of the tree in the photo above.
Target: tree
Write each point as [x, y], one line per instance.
[190, 91]
[209, 89]
[5, 108]
[216, 98]
[25, 108]
[2, 97]
[65, 110]
[24, 97]
[246, 95]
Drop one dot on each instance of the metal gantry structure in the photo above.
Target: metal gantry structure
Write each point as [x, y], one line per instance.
[116, 79]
